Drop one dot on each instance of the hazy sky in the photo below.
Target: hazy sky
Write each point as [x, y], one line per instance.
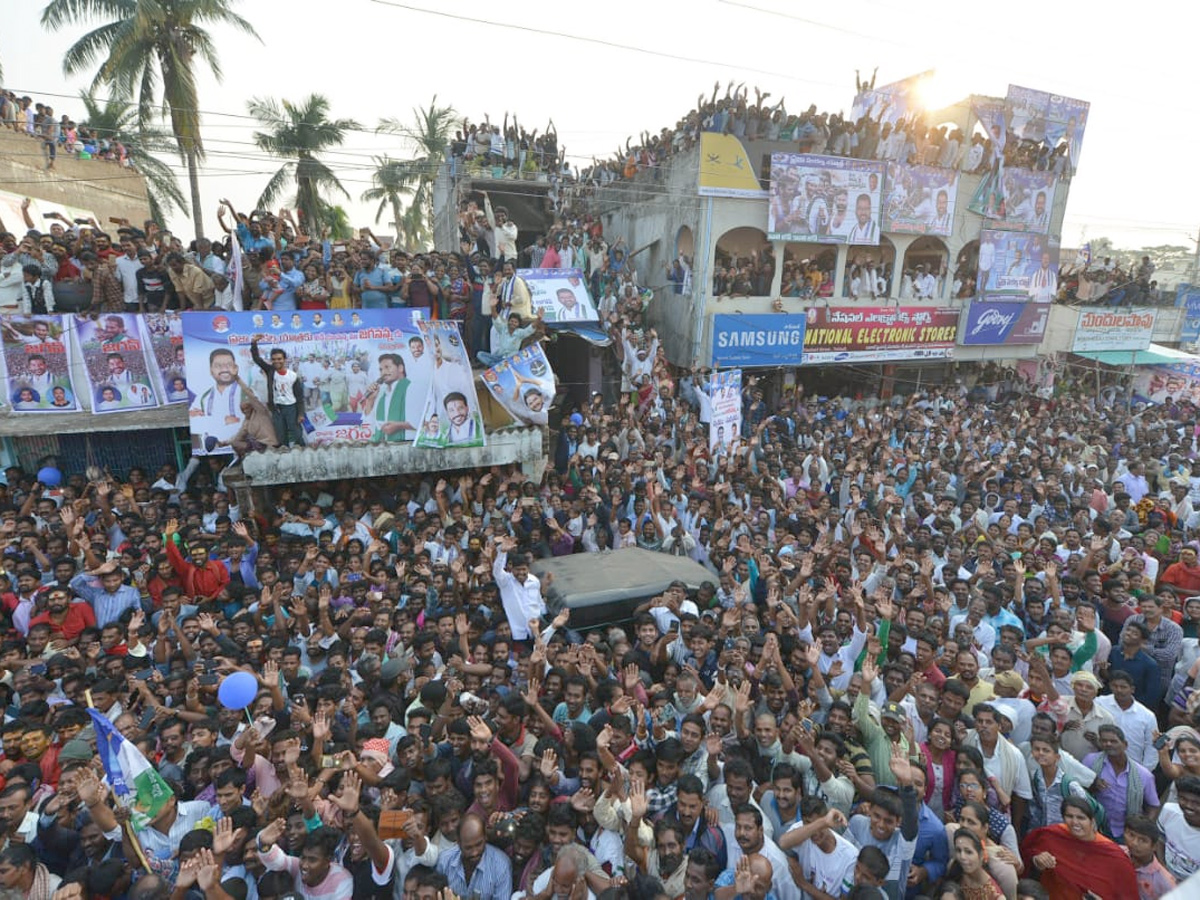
[375, 59]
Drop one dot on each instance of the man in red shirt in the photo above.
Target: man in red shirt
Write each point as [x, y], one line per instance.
[1184, 575]
[66, 619]
[201, 576]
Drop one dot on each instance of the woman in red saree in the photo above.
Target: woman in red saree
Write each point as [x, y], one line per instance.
[1076, 862]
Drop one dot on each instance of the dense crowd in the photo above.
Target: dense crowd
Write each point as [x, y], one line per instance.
[943, 646]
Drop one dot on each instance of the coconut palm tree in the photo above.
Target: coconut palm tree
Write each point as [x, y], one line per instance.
[429, 136]
[300, 134]
[117, 120]
[391, 180]
[148, 49]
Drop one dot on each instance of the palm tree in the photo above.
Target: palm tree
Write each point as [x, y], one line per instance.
[391, 179]
[429, 136]
[147, 49]
[116, 120]
[336, 222]
[299, 134]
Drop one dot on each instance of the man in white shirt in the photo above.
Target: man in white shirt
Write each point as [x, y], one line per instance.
[939, 222]
[127, 266]
[504, 232]
[865, 230]
[987, 258]
[219, 408]
[1138, 722]
[285, 396]
[1043, 285]
[520, 590]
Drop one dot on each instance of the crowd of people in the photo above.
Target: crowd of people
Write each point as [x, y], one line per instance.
[939, 645]
[57, 133]
[943, 646]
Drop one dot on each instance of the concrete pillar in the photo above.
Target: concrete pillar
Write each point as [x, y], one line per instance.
[839, 272]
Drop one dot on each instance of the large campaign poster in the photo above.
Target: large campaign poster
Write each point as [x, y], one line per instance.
[1029, 112]
[1026, 198]
[113, 347]
[366, 372]
[919, 199]
[889, 103]
[1174, 381]
[725, 399]
[450, 416]
[560, 295]
[1015, 265]
[879, 333]
[992, 115]
[165, 334]
[824, 199]
[1067, 120]
[37, 364]
[524, 385]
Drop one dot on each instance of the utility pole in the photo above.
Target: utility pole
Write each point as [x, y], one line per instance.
[1194, 274]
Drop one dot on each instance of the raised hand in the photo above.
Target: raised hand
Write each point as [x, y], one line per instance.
[479, 729]
[638, 804]
[549, 764]
[225, 836]
[272, 832]
[347, 799]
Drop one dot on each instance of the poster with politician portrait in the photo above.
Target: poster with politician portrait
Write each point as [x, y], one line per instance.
[919, 199]
[165, 334]
[113, 347]
[523, 384]
[824, 199]
[37, 364]
[725, 401]
[365, 372]
[1028, 112]
[560, 295]
[1026, 199]
[450, 416]
[1067, 120]
[1017, 266]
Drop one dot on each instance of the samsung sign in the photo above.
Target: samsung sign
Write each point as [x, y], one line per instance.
[766, 340]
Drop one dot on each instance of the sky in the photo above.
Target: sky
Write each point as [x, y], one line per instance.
[635, 66]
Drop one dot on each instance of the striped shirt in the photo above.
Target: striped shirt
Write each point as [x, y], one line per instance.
[491, 880]
[337, 885]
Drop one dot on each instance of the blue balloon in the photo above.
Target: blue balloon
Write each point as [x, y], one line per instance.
[49, 476]
[237, 691]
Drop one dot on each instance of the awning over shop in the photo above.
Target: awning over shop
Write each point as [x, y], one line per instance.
[1154, 355]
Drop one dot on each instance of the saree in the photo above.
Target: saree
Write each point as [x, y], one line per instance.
[1099, 865]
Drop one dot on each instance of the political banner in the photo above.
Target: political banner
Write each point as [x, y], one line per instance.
[113, 347]
[366, 372]
[1174, 381]
[758, 340]
[165, 333]
[37, 364]
[523, 384]
[1187, 298]
[561, 295]
[987, 201]
[919, 199]
[1028, 112]
[1124, 329]
[725, 169]
[450, 416]
[992, 115]
[725, 400]
[879, 333]
[889, 103]
[1015, 265]
[1010, 323]
[1067, 121]
[1026, 199]
[824, 199]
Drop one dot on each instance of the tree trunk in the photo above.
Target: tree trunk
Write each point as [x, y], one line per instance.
[194, 183]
